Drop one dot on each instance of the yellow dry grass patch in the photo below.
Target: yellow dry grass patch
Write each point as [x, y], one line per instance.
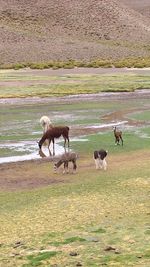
[60, 215]
[138, 182]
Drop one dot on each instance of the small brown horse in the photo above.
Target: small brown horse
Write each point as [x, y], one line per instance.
[65, 159]
[118, 136]
[55, 132]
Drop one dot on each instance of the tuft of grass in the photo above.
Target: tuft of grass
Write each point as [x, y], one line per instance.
[36, 260]
[147, 254]
[68, 241]
[132, 63]
[147, 232]
[99, 231]
[122, 259]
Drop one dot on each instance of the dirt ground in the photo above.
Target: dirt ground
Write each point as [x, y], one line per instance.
[25, 175]
[35, 174]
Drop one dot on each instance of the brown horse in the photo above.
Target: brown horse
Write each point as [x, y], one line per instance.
[55, 132]
[65, 159]
[118, 136]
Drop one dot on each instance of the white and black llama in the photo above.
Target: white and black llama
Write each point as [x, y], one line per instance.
[100, 159]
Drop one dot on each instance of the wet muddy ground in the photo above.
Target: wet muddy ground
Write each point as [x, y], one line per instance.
[25, 175]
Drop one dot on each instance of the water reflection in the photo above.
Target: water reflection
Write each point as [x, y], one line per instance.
[27, 151]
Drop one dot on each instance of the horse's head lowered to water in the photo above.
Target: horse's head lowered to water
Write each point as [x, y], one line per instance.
[55, 132]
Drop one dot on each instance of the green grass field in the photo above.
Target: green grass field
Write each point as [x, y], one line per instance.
[103, 217]
[14, 84]
[91, 218]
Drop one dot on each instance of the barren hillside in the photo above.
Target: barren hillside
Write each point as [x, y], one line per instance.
[46, 30]
[142, 6]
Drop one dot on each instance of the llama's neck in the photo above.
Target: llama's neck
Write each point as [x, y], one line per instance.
[115, 132]
[59, 163]
[46, 127]
[44, 137]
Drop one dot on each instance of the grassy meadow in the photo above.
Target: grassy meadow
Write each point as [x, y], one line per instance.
[17, 84]
[92, 218]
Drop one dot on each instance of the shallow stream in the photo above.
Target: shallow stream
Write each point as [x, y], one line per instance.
[20, 127]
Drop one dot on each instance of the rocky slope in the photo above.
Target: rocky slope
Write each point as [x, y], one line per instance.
[47, 30]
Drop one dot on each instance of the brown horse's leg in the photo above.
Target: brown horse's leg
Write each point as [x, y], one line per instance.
[117, 141]
[53, 147]
[66, 167]
[66, 138]
[121, 140]
[64, 143]
[68, 142]
[49, 147]
[74, 166]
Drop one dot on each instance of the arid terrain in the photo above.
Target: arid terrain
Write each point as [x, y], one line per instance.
[142, 7]
[37, 31]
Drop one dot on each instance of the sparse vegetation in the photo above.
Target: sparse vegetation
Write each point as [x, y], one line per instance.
[139, 62]
[31, 85]
[36, 260]
[31, 36]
